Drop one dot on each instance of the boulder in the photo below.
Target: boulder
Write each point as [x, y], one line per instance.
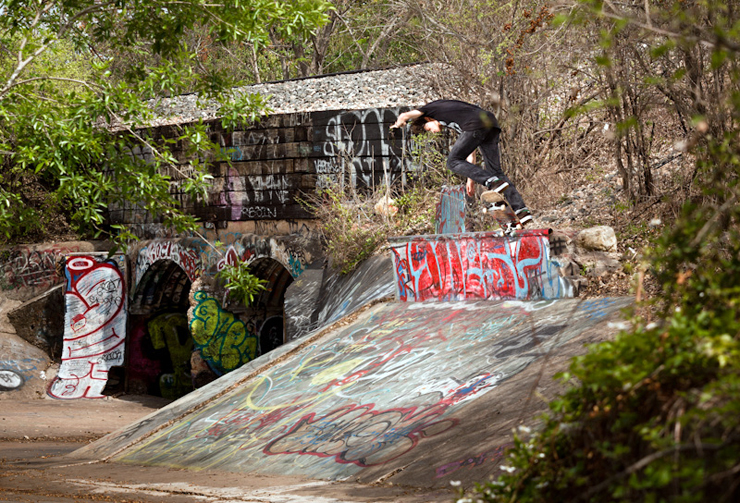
[599, 238]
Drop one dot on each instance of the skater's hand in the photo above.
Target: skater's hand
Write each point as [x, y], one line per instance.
[405, 117]
[470, 188]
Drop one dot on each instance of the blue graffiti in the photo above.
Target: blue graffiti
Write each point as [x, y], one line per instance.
[596, 308]
[296, 266]
[234, 153]
[450, 211]
[14, 373]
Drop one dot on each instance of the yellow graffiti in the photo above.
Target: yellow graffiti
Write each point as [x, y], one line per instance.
[335, 372]
[223, 340]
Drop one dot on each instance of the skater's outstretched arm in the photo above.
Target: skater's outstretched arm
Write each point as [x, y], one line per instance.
[405, 117]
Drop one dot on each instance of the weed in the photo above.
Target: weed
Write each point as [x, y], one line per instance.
[240, 282]
[351, 227]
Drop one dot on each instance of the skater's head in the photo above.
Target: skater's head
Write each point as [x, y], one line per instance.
[424, 123]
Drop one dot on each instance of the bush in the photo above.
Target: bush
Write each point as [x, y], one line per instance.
[655, 414]
[354, 230]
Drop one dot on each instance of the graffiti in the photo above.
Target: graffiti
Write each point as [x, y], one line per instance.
[234, 185]
[293, 259]
[596, 308]
[247, 195]
[450, 211]
[186, 258]
[268, 167]
[95, 328]
[353, 141]
[250, 212]
[372, 281]
[29, 268]
[224, 342]
[170, 331]
[492, 456]
[232, 258]
[266, 227]
[234, 153]
[328, 172]
[10, 380]
[20, 370]
[372, 392]
[476, 266]
[361, 435]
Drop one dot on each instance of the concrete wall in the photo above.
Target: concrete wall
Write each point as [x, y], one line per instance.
[477, 266]
[31, 277]
[30, 270]
[24, 368]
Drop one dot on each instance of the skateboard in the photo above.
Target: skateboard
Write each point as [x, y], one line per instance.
[500, 210]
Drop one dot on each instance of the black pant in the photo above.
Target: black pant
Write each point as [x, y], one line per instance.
[487, 141]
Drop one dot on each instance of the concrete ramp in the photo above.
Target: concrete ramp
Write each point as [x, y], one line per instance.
[409, 393]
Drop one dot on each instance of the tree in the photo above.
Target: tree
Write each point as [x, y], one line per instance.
[67, 138]
[655, 414]
[510, 58]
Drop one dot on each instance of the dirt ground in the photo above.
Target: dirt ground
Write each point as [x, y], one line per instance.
[35, 435]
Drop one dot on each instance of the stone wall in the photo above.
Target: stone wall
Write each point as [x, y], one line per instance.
[276, 162]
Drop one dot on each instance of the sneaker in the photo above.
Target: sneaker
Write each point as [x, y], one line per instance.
[524, 215]
[491, 196]
[496, 184]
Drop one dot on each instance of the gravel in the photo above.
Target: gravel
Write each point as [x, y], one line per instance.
[405, 86]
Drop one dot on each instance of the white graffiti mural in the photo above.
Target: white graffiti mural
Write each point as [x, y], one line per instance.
[94, 328]
[351, 150]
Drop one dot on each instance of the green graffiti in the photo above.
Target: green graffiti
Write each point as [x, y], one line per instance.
[171, 331]
[223, 340]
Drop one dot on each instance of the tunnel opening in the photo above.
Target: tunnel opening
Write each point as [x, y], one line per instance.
[159, 343]
[163, 356]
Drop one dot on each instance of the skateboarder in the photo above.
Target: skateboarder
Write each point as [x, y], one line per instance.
[478, 128]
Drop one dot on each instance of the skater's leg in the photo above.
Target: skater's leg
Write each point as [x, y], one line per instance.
[457, 162]
[492, 158]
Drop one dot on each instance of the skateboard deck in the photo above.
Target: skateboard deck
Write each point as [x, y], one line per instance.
[500, 210]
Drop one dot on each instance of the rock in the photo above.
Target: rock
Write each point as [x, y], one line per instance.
[597, 264]
[599, 238]
[566, 266]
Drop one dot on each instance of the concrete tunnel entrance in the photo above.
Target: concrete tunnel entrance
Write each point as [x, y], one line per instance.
[160, 345]
[159, 342]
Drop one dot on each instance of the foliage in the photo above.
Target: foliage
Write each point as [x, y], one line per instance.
[356, 222]
[240, 282]
[654, 413]
[351, 231]
[371, 34]
[73, 115]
